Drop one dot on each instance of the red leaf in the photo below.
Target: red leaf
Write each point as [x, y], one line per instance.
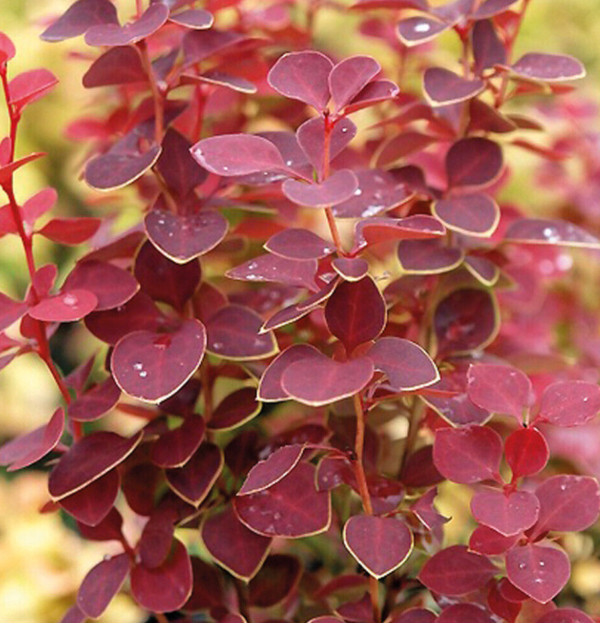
[460, 613]
[65, 307]
[526, 452]
[472, 215]
[490, 8]
[550, 231]
[198, 19]
[508, 514]
[548, 67]
[152, 366]
[356, 313]
[320, 381]
[112, 35]
[467, 455]
[484, 270]
[157, 537]
[379, 544]
[406, 364]
[540, 572]
[402, 145]
[71, 231]
[208, 587]
[111, 285]
[417, 30]
[350, 268]
[235, 410]
[115, 169]
[29, 86]
[92, 504]
[7, 48]
[101, 584]
[233, 546]
[303, 76]
[30, 448]
[443, 87]
[291, 508]
[415, 615]
[165, 588]
[565, 615]
[455, 571]
[10, 311]
[267, 267]
[428, 257]
[270, 471]
[375, 92]
[488, 542]
[234, 333]
[277, 578]
[473, 162]
[499, 389]
[349, 77]
[89, 459]
[7, 170]
[194, 480]
[184, 237]
[79, 17]
[488, 48]
[569, 403]
[568, 503]
[238, 154]
[376, 230]
[109, 529]
[299, 244]
[334, 190]
[175, 447]
[74, 615]
[121, 65]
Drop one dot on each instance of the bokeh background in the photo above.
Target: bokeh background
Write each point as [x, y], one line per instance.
[42, 560]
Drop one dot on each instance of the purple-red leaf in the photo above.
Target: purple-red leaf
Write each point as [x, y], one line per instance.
[507, 513]
[121, 65]
[467, 455]
[379, 544]
[428, 257]
[443, 87]
[569, 403]
[334, 190]
[473, 215]
[152, 366]
[548, 67]
[101, 584]
[303, 76]
[417, 30]
[372, 231]
[79, 17]
[299, 244]
[290, 508]
[29, 86]
[375, 92]
[550, 231]
[526, 452]
[10, 311]
[461, 613]
[197, 19]
[270, 471]
[175, 447]
[349, 77]
[267, 267]
[539, 571]
[350, 268]
[235, 410]
[473, 162]
[488, 542]
[66, 307]
[277, 578]
[97, 401]
[72, 231]
[565, 615]
[92, 504]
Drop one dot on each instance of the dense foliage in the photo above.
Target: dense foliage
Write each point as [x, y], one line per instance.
[312, 326]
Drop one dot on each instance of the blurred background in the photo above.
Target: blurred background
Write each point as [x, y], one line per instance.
[42, 561]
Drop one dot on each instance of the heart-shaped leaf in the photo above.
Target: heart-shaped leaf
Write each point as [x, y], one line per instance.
[270, 471]
[235, 410]
[548, 67]
[570, 403]
[291, 508]
[473, 215]
[299, 244]
[350, 268]
[121, 65]
[175, 447]
[467, 455]
[508, 514]
[101, 584]
[473, 162]
[406, 364]
[539, 571]
[526, 452]
[92, 504]
[66, 307]
[550, 231]
[79, 17]
[348, 78]
[303, 76]
[443, 87]
[233, 546]
[320, 381]
[379, 544]
[152, 366]
[335, 189]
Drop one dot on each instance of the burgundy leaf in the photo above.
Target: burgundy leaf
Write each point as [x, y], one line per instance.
[31, 447]
[89, 459]
[175, 447]
[320, 381]
[372, 231]
[473, 215]
[488, 48]
[565, 615]
[334, 190]
[499, 389]
[539, 571]
[10, 311]
[29, 86]
[194, 480]
[350, 268]
[473, 162]
[507, 513]
[375, 92]
[417, 30]
[299, 244]
[355, 313]
[177, 166]
[406, 365]
[379, 544]
[484, 270]
[165, 588]
[234, 333]
[526, 452]
[569, 403]
[290, 508]
[101, 584]
[443, 87]
[459, 613]
[71, 231]
[267, 267]
[96, 402]
[109, 529]
[467, 455]
[233, 546]
[238, 154]
[157, 537]
[402, 145]
[455, 571]
[66, 307]
[349, 77]
[303, 76]
[111, 35]
[152, 366]
[208, 586]
[113, 170]
[92, 504]
[277, 578]
[548, 67]
[490, 8]
[79, 17]
[550, 231]
[488, 542]
[270, 388]
[270, 471]
[198, 19]
[120, 65]
[428, 257]
[199, 45]
[184, 237]
[235, 410]
[111, 285]
[568, 503]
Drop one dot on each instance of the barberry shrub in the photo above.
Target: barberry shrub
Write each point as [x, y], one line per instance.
[323, 315]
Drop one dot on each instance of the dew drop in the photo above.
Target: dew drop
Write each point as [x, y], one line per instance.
[522, 565]
[217, 346]
[542, 563]
[276, 516]
[358, 192]
[344, 130]
[563, 487]
[143, 374]
[71, 300]
[225, 168]
[423, 27]
[137, 366]
[537, 581]
[288, 163]
[252, 265]
[585, 398]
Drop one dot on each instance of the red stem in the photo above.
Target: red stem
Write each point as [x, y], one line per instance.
[335, 234]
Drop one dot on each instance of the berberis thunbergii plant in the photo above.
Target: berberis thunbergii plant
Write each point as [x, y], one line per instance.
[312, 327]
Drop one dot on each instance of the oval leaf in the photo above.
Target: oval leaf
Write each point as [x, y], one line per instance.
[526, 452]
[101, 584]
[334, 190]
[270, 471]
[443, 87]
[473, 162]
[508, 514]
[570, 403]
